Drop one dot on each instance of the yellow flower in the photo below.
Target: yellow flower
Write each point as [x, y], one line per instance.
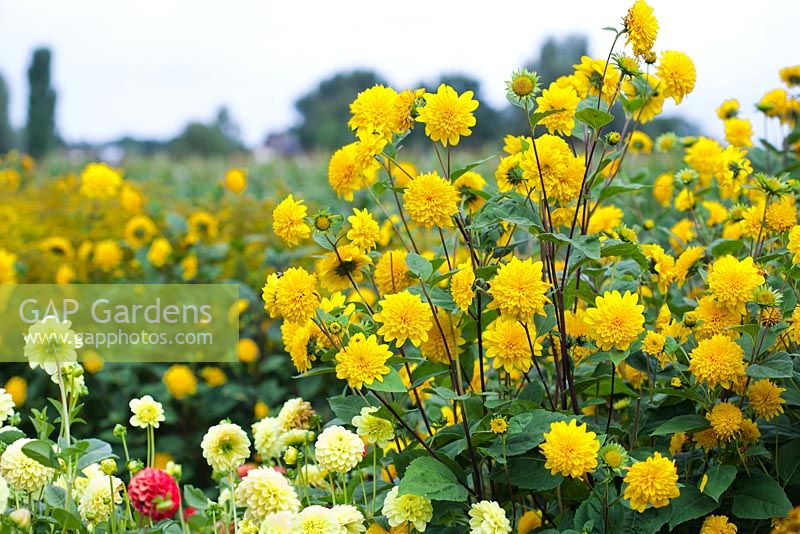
[640, 143]
[342, 267]
[92, 362]
[685, 200]
[793, 246]
[346, 173]
[717, 360]
[648, 91]
[146, 412]
[705, 156]
[159, 252]
[362, 361]
[790, 75]
[561, 172]
[202, 227]
[616, 320]
[434, 348]
[296, 297]
[717, 213]
[189, 266]
[487, 517]
[509, 174]
[764, 397]
[235, 180]
[180, 381]
[130, 199]
[265, 491]
[653, 481]
[214, 376]
[22, 472]
[589, 79]
[404, 316]
[738, 132]
[728, 109]
[726, 420]
[717, 524]
[225, 447]
[100, 181]
[338, 450]
[139, 230]
[107, 255]
[58, 246]
[750, 432]
[507, 344]
[8, 271]
[466, 184]
[461, 286]
[260, 410]
[9, 180]
[447, 115]
[431, 200]
[247, 350]
[653, 343]
[375, 110]
[518, 290]
[408, 508]
[685, 262]
[569, 449]
[364, 231]
[17, 387]
[732, 281]
[714, 318]
[774, 103]
[498, 425]
[376, 429]
[663, 188]
[782, 214]
[676, 443]
[391, 272]
[402, 172]
[677, 72]
[641, 27]
[288, 221]
[530, 521]
[563, 98]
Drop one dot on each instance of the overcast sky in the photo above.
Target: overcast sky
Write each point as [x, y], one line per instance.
[145, 68]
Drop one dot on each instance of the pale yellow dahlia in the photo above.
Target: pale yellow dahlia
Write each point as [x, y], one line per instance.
[265, 491]
[225, 447]
[413, 509]
[338, 450]
[22, 472]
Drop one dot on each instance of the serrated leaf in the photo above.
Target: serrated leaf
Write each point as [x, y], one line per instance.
[42, 451]
[720, 477]
[431, 479]
[681, 423]
[458, 172]
[594, 118]
[691, 504]
[759, 498]
[419, 265]
[779, 365]
[391, 383]
[626, 250]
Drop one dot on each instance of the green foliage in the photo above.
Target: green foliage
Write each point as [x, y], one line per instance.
[40, 128]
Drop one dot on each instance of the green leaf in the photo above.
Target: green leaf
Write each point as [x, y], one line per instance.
[720, 478]
[681, 423]
[97, 451]
[618, 189]
[691, 504]
[759, 498]
[345, 408]
[530, 473]
[588, 245]
[195, 497]
[67, 519]
[10, 436]
[419, 265]
[42, 451]
[788, 462]
[626, 250]
[458, 172]
[429, 478]
[539, 115]
[392, 383]
[723, 247]
[594, 118]
[779, 365]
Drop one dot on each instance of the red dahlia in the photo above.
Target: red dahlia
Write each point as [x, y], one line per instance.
[154, 493]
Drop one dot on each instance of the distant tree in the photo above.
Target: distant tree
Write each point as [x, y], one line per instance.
[6, 133]
[218, 138]
[324, 111]
[557, 56]
[40, 128]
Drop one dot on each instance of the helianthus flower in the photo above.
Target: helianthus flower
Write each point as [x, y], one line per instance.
[717, 360]
[616, 320]
[466, 185]
[107, 255]
[159, 252]
[677, 72]
[435, 348]
[147, 412]
[509, 174]
[362, 361]
[376, 429]
[296, 297]
[653, 481]
[518, 289]
[726, 420]
[408, 508]
[343, 267]
[8, 271]
[346, 174]
[647, 92]
[614, 456]
[202, 227]
[507, 344]
[558, 98]
[764, 397]
[374, 110]
[338, 450]
[738, 132]
[487, 517]
[404, 316]
[728, 109]
[663, 187]
[530, 521]
[793, 246]
[641, 27]
[391, 272]
[782, 214]
[364, 231]
[431, 200]
[561, 171]
[640, 143]
[569, 449]
[676, 442]
[732, 281]
[461, 286]
[717, 524]
[288, 221]
[265, 491]
[447, 115]
[589, 79]
[714, 319]
[100, 181]
[653, 343]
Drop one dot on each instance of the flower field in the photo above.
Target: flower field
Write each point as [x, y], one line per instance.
[582, 330]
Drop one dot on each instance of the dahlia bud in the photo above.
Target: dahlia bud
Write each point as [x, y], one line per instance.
[120, 431]
[21, 518]
[108, 466]
[174, 470]
[134, 466]
[290, 456]
[613, 138]
[650, 57]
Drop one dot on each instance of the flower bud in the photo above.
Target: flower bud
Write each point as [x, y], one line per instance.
[120, 431]
[613, 138]
[108, 466]
[290, 456]
[21, 518]
[134, 466]
[174, 470]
